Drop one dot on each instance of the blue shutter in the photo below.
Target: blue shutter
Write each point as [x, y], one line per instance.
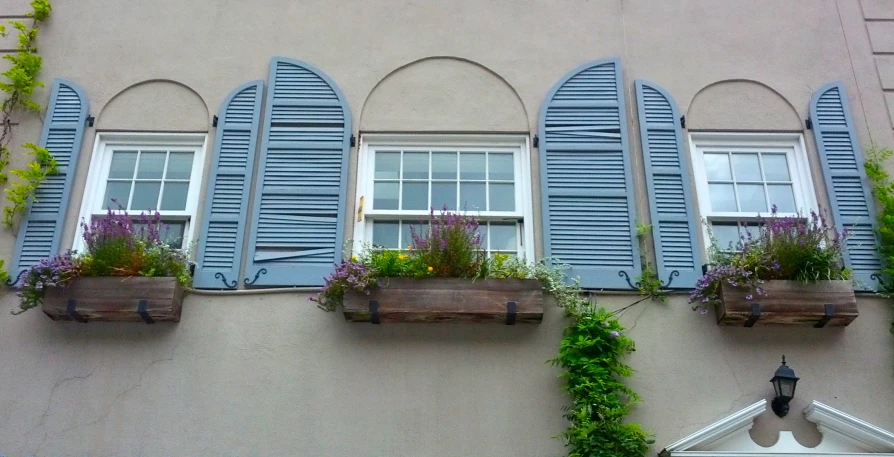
[589, 218]
[63, 131]
[674, 224]
[223, 221]
[846, 181]
[299, 202]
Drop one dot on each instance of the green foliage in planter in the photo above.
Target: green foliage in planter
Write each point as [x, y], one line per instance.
[115, 246]
[883, 190]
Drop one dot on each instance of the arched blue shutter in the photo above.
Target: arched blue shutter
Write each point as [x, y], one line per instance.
[299, 202]
[589, 218]
[63, 132]
[223, 221]
[674, 225]
[846, 181]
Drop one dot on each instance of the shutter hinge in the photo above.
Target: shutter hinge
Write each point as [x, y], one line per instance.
[809, 123]
[536, 141]
[682, 122]
[353, 140]
[90, 120]
[214, 121]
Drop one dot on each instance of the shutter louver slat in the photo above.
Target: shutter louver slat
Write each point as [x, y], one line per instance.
[298, 216]
[674, 225]
[223, 223]
[63, 131]
[588, 209]
[846, 181]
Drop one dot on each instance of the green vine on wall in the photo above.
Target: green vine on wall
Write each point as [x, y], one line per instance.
[591, 354]
[648, 283]
[18, 85]
[883, 190]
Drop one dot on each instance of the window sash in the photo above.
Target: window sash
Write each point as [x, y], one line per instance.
[517, 145]
[100, 165]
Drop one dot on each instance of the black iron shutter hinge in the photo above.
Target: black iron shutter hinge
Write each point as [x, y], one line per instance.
[214, 121]
[682, 122]
[353, 140]
[809, 123]
[536, 141]
[90, 120]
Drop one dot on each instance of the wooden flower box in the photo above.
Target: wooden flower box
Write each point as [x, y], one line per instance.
[789, 304]
[502, 301]
[115, 298]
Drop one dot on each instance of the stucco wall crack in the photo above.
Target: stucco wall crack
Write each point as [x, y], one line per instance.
[41, 423]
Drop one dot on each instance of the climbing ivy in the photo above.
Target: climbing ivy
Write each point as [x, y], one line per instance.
[17, 87]
[883, 190]
[648, 283]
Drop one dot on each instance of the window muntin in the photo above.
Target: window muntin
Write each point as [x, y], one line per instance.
[401, 177]
[144, 173]
[740, 177]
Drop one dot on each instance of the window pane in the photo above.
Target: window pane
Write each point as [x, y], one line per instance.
[501, 167]
[775, 167]
[415, 165]
[443, 165]
[408, 228]
[387, 165]
[717, 167]
[385, 234]
[502, 197]
[503, 237]
[171, 232]
[386, 195]
[123, 164]
[152, 165]
[174, 196]
[145, 196]
[472, 197]
[443, 193]
[472, 165]
[179, 165]
[783, 197]
[752, 198]
[415, 195]
[722, 197]
[117, 194]
[746, 167]
[726, 235]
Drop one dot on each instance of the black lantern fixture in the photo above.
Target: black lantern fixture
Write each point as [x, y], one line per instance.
[784, 382]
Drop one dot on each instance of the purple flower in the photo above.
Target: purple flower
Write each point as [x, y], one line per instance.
[615, 334]
[749, 297]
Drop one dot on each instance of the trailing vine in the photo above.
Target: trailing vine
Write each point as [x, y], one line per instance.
[883, 190]
[18, 85]
[648, 283]
[590, 353]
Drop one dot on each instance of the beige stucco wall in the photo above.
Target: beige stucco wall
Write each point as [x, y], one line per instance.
[271, 375]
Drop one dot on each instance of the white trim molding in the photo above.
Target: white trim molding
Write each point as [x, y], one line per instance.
[843, 436]
[832, 421]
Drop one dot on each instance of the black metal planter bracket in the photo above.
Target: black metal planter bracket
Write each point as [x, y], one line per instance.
[755, 315]
[374, 312]
[71, 309]
[141, 310]
[829, 314]
[511, 312]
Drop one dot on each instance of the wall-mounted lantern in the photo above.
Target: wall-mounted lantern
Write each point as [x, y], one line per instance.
[784, 382]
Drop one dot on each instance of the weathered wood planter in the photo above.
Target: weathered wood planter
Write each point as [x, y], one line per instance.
[508, 301]
[790, 303]
[116, 298]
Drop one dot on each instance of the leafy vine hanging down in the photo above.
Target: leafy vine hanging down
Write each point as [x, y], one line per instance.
[18, 84]
[883, 190]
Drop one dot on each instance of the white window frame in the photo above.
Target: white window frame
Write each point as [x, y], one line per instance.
[101, 161]
[795, 150]
[369, 143]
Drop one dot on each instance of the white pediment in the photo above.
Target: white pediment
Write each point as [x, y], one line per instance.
[843, 436]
